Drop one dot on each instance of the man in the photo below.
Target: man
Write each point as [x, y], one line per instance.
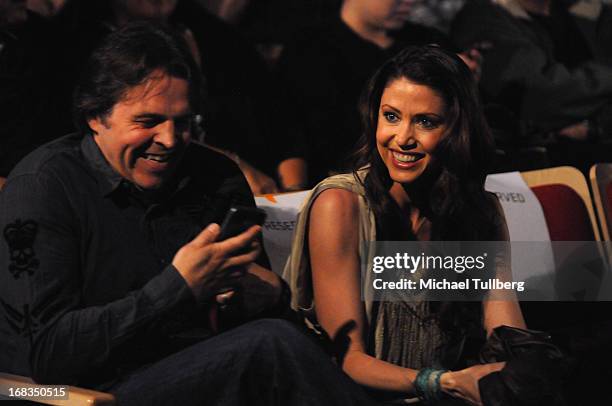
[238, 78]
[109, 258]
[550, 66]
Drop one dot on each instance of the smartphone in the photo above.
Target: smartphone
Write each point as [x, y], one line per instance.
[240, 218]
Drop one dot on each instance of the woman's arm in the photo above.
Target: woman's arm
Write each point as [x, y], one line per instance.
[293, 174]
[502, 312]
[333, 238]
[259, 182]
[464, 384]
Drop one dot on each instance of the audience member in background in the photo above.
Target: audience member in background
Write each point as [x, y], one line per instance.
[435, 13]
[324, 69]
[270, 23]
[110, 255]
[419, 175]
[238, 117]
[46, 8]
[550, 67]
[28, 83]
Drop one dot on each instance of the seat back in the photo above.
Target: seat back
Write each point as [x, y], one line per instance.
[600, 176]
[568, 210]
[282, 212]
[566, 202]
[566, 215]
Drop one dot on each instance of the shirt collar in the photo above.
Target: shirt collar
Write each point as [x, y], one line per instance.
[108, 179]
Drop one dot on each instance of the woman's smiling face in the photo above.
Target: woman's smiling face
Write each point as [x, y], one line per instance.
[411, 122]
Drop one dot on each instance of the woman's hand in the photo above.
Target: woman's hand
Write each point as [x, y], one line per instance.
[473, 59]
[576, 132]
[464, 384]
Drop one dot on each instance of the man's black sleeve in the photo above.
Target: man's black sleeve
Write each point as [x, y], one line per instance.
[50, 336]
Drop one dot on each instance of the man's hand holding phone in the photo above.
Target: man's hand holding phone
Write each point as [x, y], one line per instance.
[210, 267]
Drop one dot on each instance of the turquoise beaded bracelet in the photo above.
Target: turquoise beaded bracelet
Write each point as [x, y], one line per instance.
[427, 384]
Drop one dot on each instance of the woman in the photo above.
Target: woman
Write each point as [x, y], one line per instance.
[419, 175]
[323, 69]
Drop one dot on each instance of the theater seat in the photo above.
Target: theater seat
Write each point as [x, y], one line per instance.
[76, 396]
[568, 210]
[600, 176]
[282, 213]
[566, 202]
[566, 215]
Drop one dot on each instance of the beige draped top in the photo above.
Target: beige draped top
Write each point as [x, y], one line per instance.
[405, 334]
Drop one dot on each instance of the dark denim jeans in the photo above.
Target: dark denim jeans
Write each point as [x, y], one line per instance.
[265, 362]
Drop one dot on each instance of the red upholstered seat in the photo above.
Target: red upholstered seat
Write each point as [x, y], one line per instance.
[565, 212]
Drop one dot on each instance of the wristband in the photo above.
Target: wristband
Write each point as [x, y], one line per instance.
[427, 384]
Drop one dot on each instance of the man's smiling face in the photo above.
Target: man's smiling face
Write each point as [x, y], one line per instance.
[146, 133]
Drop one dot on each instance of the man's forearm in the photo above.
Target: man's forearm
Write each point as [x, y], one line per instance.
[42, 292]
[81, 339]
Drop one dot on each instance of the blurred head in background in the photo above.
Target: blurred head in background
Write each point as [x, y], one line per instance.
[387, 15]
[143, 9]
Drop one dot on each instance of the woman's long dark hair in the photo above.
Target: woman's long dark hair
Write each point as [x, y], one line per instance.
[459, 208]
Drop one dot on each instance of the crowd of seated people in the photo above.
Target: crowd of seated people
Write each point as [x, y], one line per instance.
[545, 69]
[396, 122]
[547, 72]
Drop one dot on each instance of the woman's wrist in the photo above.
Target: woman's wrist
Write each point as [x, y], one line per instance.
[448, 382]
[428, 385]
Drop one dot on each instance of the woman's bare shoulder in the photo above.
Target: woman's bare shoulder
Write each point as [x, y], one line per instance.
[334, 218]
[336, 199]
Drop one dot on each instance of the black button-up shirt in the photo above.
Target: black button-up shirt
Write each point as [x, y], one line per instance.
[87, 288]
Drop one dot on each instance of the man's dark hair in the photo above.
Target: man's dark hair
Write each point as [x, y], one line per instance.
[125, 59]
